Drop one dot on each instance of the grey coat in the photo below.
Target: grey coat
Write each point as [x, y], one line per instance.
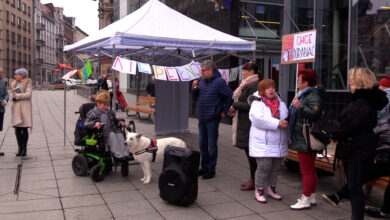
[112, 134]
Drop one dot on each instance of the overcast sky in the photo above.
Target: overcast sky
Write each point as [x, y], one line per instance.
[85, 12]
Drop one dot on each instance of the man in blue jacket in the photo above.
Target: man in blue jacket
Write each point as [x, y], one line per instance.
[3, 101]
[214, 101]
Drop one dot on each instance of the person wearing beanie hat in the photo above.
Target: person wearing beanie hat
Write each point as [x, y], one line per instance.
[101, 115]
[21, 108]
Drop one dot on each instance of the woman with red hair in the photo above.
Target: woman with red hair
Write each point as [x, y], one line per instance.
[306, 106]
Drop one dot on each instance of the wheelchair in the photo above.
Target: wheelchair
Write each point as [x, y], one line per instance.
[95, 155]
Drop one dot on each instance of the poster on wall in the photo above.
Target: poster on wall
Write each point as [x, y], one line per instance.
[299, 47]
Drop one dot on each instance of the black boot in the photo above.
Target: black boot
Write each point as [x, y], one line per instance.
[19, 140]
[24, 151]
[24, 143]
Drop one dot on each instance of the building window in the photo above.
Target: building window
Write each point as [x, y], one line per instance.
[29, 11]
[29, 27]
[24, 25]
[266, 22]
[7, 16]
[19, 22]
[7, 36]
[13, 38]
[24, 8]
[7, 54]
[19, 5]
[13, 3]
[19, 40]
[12, 18]
[29, 44]
[24, 42]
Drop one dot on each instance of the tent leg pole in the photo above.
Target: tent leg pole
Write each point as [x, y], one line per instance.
[113, 81]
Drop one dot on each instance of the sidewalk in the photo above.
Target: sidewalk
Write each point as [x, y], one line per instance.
[49, 190]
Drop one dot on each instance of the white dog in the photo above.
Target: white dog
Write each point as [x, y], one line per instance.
[137, 145]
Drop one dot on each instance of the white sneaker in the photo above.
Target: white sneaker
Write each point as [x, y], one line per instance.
[312, 199]
[303, 203]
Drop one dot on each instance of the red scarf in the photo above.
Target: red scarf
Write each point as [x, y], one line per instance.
[273, 104]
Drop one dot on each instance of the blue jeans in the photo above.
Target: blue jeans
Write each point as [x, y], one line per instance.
[208, 137]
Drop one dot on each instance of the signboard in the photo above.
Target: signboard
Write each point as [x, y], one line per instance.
[299, 47]
[124, 66]
[57, 70]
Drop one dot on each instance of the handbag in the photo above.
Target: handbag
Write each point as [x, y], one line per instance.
[324, 127]
[314, 143]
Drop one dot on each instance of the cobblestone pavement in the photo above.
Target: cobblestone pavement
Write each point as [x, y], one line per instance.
[48, 189]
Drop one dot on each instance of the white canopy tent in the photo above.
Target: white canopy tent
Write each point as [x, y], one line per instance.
[156, 25]
[159, 31]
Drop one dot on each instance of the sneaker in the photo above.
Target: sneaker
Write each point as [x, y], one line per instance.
[201, 172]
[259, 195]
[303, 203]
[332, 199]
[312, 199]
[272, 193]
[208, 175]
[375, 212]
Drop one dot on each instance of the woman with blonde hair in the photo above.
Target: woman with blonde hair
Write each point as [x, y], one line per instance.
[355, 139]
[21, 108]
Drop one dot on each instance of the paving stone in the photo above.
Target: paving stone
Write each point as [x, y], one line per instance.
[186, 213]
[211, 198]
[122, 196]
[29, 205]
[114, 187]
[52, 215]
[130, 208]
[144, 216]
[161, 205]
[87, 213]
[76, 191]
[249, 217]
[287, 214]
[84, 200]
[226, 210]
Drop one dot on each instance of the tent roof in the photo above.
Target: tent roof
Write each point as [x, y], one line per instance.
[157, 25]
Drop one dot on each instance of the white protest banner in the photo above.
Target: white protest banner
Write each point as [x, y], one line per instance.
[183, 73]
[124, 65]
[69, 74]
[225, 74]
[159, 72]
[299, 47]
[171, 74]
[144, 68]
[234, 73]
[193, 70]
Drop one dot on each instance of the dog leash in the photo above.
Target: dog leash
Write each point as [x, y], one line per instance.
[152, 148]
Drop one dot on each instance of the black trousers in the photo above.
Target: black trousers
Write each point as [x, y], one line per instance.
[1, 120]
[357, 173]
[252, 163]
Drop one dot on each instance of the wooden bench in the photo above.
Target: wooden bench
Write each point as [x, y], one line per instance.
[145, 104]
[324, 164]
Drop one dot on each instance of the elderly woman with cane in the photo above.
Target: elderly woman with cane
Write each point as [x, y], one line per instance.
[21, 108]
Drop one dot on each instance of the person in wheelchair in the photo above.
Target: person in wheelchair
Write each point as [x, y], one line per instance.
[101, 117]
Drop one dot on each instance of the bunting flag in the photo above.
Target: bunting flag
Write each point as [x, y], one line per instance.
[64, 66]
[227, 4]
[69, 74]
[216, 4]
[87, 69]
[81, 76]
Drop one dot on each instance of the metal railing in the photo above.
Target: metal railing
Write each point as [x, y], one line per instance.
[85, 91]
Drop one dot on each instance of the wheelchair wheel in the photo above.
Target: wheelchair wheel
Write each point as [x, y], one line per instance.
[80, 165]
[125, 168]
[95, 173]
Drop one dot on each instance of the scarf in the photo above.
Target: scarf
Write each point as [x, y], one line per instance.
[292, 110]
[22, 84]
[273, 104]
[244, 84]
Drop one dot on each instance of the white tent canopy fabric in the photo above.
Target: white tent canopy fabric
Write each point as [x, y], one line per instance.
[155, 25]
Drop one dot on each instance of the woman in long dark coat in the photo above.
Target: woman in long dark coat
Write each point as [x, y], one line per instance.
[240, 111]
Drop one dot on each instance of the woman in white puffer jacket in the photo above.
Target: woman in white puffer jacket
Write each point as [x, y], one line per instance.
[268, 139]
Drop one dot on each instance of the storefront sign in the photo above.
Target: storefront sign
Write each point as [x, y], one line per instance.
[299, 47]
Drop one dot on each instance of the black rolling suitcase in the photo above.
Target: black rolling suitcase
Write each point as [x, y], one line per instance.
[178, 182]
